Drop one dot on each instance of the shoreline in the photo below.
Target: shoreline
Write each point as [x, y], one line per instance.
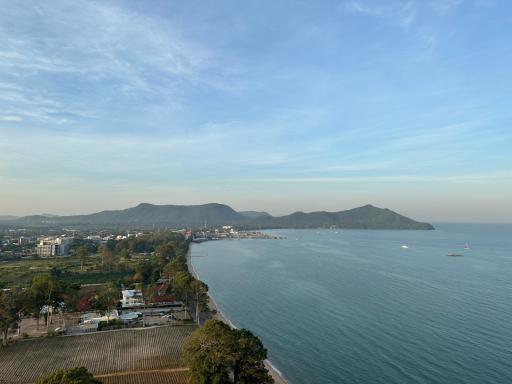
[218, 315]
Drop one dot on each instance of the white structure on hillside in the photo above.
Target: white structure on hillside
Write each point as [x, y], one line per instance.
[132, 298]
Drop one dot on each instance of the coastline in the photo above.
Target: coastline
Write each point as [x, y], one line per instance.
[217, 314]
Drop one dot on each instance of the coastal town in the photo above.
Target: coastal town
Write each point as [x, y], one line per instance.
[46, 243]
[64, 291]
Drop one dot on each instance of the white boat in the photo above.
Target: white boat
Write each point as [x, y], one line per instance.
[466, 246]
[404, 247]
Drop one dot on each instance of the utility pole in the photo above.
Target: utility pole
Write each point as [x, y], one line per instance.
[197, 309]
[144, 314]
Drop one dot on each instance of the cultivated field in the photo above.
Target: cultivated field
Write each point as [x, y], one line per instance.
[163, 377]
[101, 353]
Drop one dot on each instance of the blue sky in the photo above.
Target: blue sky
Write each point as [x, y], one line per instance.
[268, 105]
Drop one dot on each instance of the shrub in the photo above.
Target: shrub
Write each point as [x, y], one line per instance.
[69, 376]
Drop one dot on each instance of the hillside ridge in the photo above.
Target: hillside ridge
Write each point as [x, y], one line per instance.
[214, 214]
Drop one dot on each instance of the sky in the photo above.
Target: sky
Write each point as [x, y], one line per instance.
[272, 105]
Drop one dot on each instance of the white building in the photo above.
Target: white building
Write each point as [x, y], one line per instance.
[49, 247]
[132, 298]
[96, 318]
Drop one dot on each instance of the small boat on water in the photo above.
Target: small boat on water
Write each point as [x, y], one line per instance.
[466, 246]
[454, 254]
[404, 247]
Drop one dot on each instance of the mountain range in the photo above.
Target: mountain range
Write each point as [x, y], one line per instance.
[179, 216]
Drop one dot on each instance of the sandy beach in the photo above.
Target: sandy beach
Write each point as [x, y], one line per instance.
[218, 315]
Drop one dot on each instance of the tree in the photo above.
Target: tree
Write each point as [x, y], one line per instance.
[108, 257]
[163, 254]
[12, 304]
[198, 292]
[173, 267]
[69, 376]
[248, 356]
[137, 278]
[147, 271]
[106, 298]
[207, 352]
[218, 354]
[81, 253]
[44, 291]
[180, 285]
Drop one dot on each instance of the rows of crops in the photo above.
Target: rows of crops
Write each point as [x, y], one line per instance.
[100, 353]
[148, 378]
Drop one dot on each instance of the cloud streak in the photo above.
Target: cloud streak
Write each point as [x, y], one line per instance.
[400, 13]
[408, 178]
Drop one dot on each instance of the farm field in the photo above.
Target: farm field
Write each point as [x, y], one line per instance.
[149, 349]
[151, 377]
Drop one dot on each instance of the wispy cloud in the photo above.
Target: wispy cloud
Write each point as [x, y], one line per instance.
[400, 13]
[476, 177]
[93, 47]
[444, 7]
[10, 118]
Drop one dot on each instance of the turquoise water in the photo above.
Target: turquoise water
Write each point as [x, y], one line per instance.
[354, 307]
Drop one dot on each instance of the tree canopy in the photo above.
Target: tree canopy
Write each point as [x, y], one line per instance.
[218, 354]
[69, 376]
[12, 304]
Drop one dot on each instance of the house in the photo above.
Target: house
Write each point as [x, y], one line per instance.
[132, 298]
[160, 297]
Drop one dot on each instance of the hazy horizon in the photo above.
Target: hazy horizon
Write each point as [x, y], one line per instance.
[274, 106]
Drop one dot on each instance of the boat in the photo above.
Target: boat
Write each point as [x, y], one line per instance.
[466, 246]
[454, 254]
[404, 247]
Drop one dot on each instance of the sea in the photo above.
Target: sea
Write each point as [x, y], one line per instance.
[372, 306]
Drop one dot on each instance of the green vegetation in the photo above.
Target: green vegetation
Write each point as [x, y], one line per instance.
[12, 304]
[218, 354]
[178, 216]
[367, 217]
[106, 298]
[69, 376]
[21, 272]
[154, 262]
[147, 254]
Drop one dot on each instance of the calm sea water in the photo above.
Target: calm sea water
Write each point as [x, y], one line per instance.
[352, 306]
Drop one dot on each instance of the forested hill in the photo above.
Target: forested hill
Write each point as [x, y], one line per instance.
[180, 216]
[366, 217]
[149, 214]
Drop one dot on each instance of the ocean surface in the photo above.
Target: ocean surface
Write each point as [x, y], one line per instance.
[353, 306]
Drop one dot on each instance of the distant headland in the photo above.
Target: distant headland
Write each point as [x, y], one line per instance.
[213, 214]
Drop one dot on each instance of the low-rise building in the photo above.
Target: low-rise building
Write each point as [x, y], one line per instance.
[132, 298]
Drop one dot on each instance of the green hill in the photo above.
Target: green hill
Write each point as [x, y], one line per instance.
[145, 215]
[255, 214]
[180, 216]
[366, 217]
